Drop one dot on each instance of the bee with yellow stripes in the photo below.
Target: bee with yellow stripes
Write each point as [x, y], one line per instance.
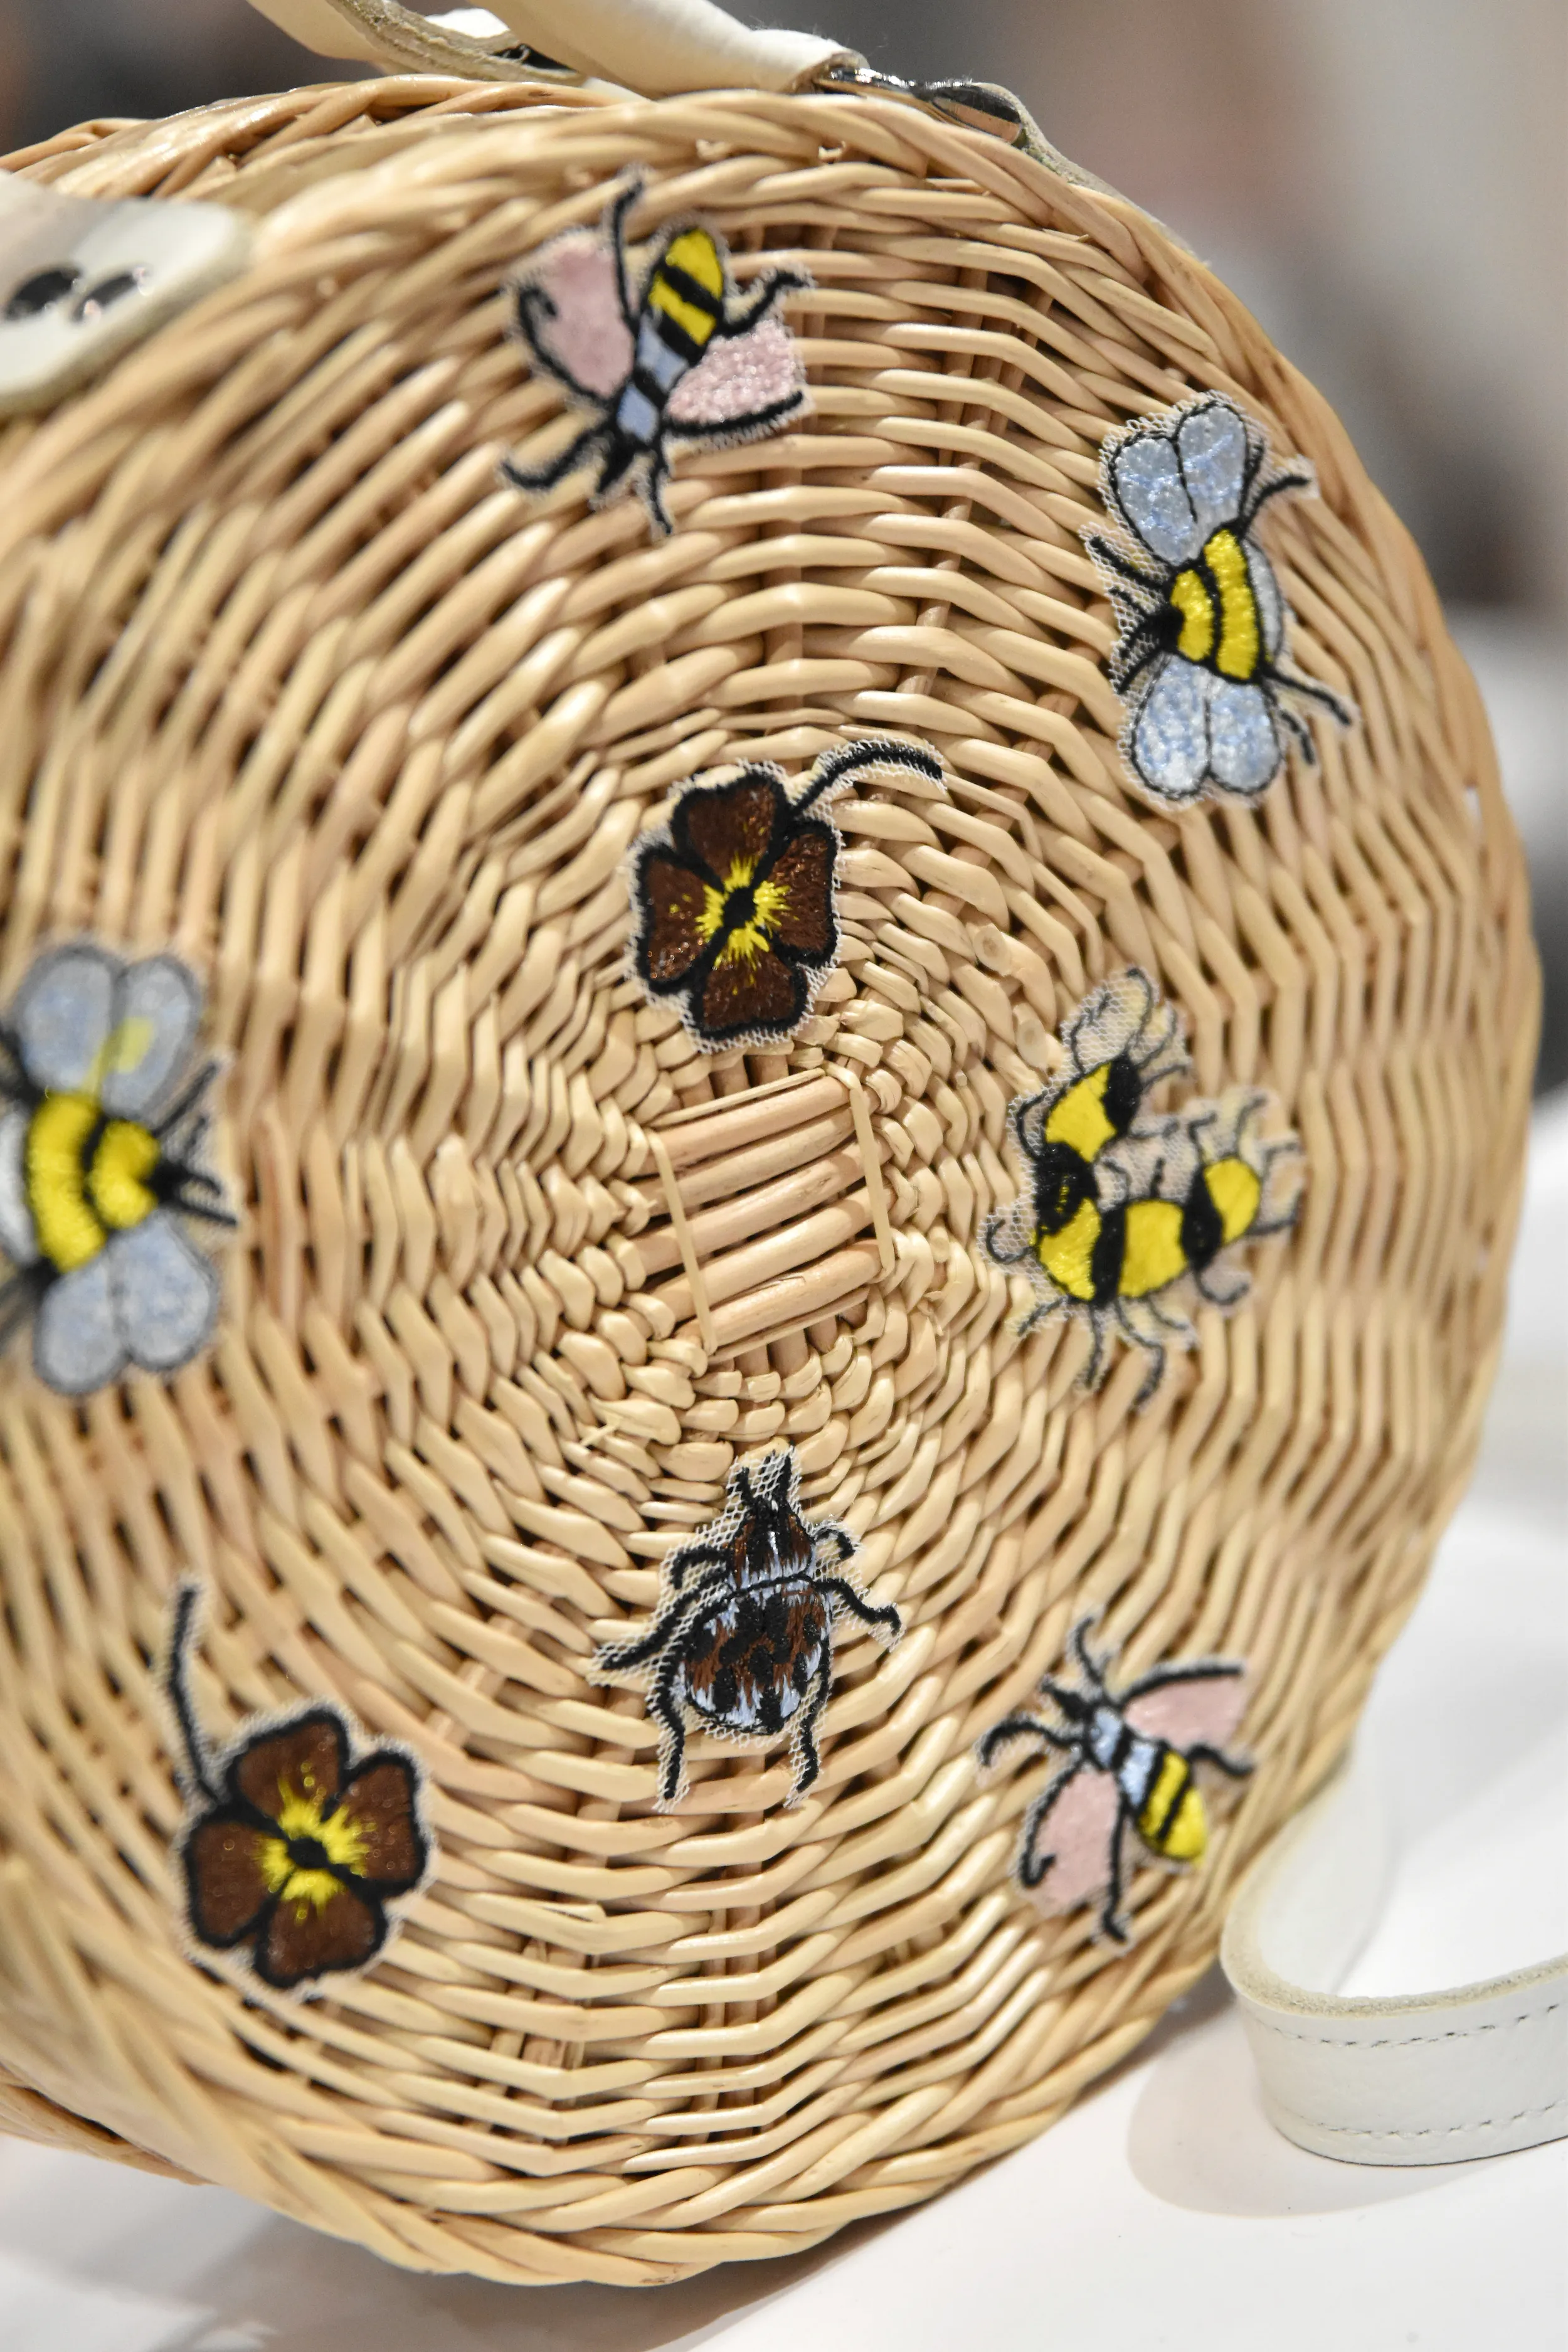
[1164, 1207]
[1120, 1043]
[1200, 659]
[687, 358]
[1132, 1758]
[101, 1131]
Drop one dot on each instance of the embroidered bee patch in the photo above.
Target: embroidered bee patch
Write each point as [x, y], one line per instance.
[733, 900]
[742, 1643]
[300, 1843]
[1131, 1770]
[1121, 1217]
[1200, 660]
[101, 1132]
[684, 357]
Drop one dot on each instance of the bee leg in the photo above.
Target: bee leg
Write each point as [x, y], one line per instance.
[1236, 1767]
[615, 225]
[1296, 478]
[665, 1708]
[1112, 1925]
[996, 1226]
[807, 1763]
[767, 291]
[990, 1744]
[576, 454]
[655, 473]
[1224, 1298]
[1032, 1865]
[1105, 550]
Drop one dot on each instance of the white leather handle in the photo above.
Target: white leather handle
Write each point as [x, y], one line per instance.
[1429, 2078]
[656, 47]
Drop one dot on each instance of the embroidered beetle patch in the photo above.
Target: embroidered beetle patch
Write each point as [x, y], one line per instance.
[101, 1131]
[684, 356]
[1200, 661]
[1132, 1758]
[733, 900]
[742, 1643]
[300, 1843]
[1121, 1217]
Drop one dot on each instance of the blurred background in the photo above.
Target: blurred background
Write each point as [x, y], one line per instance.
[1385, 182]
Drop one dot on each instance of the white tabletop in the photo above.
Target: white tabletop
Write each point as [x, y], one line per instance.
[1163, 2214]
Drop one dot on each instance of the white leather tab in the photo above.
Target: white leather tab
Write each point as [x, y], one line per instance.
[1426, 2078]
[658, 47]
[82, 280]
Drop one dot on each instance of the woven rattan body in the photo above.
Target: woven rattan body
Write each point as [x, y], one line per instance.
[290, 682]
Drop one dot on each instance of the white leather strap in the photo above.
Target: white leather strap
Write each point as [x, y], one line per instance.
[656, 47]
[1429, 2078]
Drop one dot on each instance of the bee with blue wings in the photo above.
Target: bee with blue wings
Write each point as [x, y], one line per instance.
[686, 357]
[101, 1131]
[1212, 705]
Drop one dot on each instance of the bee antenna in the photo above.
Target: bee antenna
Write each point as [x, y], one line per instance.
[1083, 1657]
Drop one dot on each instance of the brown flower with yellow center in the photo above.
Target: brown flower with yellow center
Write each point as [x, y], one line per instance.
[733, 900]
[294, 1846]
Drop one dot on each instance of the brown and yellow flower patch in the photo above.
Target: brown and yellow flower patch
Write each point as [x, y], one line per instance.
[734, 899]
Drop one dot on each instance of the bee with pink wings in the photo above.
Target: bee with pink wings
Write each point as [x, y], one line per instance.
[685, 357]
[1132, 1758]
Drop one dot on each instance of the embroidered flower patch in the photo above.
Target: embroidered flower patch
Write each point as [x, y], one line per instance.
[1131, 1769]
[298, 1842]
[742, 1643]
[100, 1137]
[1122, 1218]
[685, 357]
[733, 900]
[1200, 659]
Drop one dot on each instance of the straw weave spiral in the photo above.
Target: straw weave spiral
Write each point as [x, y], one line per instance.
[290, 683]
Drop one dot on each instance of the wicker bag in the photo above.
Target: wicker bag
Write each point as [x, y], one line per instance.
[602, 1367]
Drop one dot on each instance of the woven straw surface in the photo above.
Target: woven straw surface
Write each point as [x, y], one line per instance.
[290, 682]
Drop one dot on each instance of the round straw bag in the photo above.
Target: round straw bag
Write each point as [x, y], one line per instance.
[765, 1041]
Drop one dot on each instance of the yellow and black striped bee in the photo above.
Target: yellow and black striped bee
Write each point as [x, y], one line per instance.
[1130, 1766]
[1200, 660]
[1121, 1042]
[689, 359]
[1161, 1213]
[741, 1644]
[99, 1168]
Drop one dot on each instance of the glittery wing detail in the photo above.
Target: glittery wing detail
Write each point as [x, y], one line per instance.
[1143, 486]
[76, 1346]
[157, 1008]
[751, 378]
[1166, 743]
[569, 315]
[62, 1018]
[1246, 753]
[1068, 1859]
[166, 1294]
[1216, 459]
[1191, 1710]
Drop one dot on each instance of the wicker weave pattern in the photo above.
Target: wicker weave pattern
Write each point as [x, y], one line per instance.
[292, 684]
